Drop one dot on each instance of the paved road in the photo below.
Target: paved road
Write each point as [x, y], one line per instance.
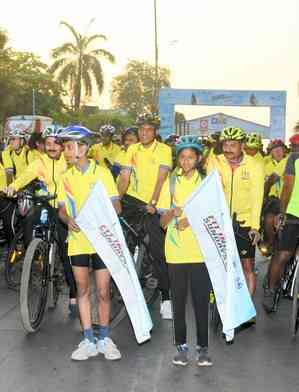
[262, 359]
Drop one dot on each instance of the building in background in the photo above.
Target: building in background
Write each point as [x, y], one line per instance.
[206, 125]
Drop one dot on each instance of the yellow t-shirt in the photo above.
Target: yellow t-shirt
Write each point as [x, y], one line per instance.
[120, 158]
[33, 155]
[45, 169]
[243, 188]
[74, 189]
[99, 152]
[278, 168]
[3, 182]
[145, 164]
[14, 161]
[182, 246]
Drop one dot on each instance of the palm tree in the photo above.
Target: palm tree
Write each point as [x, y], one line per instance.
[77, 64]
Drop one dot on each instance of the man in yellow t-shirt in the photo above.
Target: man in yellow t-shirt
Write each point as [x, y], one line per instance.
[15, 156]
[143, 185]
[74, 189]
[106, 151]
[274, 173]
[129, 137]
[243, 186]
[254, 147]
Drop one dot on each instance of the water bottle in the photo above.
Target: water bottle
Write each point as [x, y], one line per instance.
[44, 216]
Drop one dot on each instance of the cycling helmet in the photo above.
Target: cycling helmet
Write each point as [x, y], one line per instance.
[232, 133]
[52, 131]
[148, 118]
[189, 141]
[254, 140]
[275, 143]
[76, 133]
[107, 128]
[294, 139]
[17, 133]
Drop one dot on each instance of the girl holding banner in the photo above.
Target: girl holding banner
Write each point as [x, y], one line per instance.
[74, 189]
[184, 257]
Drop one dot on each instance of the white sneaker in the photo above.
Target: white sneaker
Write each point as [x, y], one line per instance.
[85, 350]
[166, 310]
[109, 349]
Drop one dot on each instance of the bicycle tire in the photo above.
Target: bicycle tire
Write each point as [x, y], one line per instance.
[36, 246]
[55, 276]
[295, 305]
[13, 264]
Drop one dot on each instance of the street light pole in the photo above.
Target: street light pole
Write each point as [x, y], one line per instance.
[156, 87]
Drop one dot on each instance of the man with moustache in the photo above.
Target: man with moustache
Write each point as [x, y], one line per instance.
[243, 185]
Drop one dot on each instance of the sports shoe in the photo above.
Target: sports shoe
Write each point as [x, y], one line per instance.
[181, 358]
[203, 358]
[166, 310]
[85, 350]
[269, 301]
[109, 349]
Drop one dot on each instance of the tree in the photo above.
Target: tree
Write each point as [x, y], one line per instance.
[77, 64]
[20, 73]
[134, 90]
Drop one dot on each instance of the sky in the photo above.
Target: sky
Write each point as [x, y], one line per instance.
[208, 44]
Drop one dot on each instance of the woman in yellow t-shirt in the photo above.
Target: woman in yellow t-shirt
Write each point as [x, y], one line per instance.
[184, 257]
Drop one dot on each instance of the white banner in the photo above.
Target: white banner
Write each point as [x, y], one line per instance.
[99, 222]
[208, 215]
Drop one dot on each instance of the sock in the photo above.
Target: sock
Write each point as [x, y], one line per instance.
[88, 334]
[182, 347]
[103, 332]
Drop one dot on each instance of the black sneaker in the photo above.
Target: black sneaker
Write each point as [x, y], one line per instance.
[269, 301]
[203, 358]
[181, 358]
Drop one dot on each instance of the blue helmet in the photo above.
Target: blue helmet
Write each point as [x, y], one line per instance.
[189, 141]
[77, 133]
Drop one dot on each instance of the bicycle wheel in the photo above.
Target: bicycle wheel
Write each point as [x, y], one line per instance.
[13, 264]
[56, 276]
[34, 285]
[295, 306]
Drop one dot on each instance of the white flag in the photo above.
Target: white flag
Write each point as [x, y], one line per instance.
[99, 222]
[208, 215]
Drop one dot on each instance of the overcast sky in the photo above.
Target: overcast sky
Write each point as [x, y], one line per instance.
[217, 44]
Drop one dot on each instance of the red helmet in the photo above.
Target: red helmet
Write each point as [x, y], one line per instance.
[275, 143]
[294, 139]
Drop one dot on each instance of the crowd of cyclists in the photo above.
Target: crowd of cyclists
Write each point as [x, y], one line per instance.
[147, 177]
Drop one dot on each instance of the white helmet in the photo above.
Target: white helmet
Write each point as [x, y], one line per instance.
[52, 131]
[107, 128]
[17, 133]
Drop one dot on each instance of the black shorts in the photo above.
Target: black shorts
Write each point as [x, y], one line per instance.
[245, 248]
[289, 235]
[271, 206]
[93, 260]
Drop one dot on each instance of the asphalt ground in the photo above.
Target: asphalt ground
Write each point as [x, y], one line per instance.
[263, 358]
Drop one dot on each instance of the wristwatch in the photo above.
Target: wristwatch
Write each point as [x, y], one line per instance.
[153, 203]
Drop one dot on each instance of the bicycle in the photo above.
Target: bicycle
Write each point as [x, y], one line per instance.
[42, 276]
[14, 256]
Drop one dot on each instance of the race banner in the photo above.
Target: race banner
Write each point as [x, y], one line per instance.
[99, 222]
[208, 215]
